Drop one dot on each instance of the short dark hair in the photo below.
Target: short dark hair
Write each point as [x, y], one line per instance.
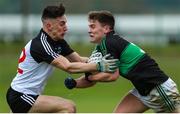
[104, 17]
[53, 11]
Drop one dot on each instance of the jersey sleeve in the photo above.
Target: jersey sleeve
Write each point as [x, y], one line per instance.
[115, 46]
[66, 50]
[42, 51]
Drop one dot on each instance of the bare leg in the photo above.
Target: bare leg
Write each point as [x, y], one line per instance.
[52, 104]
[130, 104]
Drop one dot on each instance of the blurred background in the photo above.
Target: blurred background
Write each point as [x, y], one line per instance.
[152, 24]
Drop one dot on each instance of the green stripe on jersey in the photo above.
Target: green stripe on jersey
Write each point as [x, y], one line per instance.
[129, 57]
[103, 47]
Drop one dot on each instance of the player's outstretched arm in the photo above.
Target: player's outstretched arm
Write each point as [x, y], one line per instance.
[105, 65]
[104, 77]
[90, 79]
[75, 57]
[81, 82]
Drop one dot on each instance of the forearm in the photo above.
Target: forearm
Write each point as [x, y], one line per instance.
[100, 78]
[73, 67]
[75, 57]
[104, 77]
[77, 67]
[83, 83]
[84, 59]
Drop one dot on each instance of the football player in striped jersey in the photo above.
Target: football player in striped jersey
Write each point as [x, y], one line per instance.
[38, 58]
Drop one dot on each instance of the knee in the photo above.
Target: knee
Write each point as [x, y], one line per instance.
[69, 107]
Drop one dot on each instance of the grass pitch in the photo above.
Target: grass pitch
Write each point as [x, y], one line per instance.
[103, 97]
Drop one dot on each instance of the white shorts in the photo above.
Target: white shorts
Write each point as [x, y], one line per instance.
[163, 98]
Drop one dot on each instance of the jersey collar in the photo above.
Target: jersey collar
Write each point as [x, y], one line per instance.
[48, 37]
[111, 33]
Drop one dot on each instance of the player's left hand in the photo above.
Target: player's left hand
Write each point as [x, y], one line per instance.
[107, 64]
[70, 83]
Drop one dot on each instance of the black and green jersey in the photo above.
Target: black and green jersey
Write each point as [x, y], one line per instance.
[135, 64]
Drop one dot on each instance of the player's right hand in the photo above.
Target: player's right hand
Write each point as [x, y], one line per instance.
[107, 64]
[70, 83]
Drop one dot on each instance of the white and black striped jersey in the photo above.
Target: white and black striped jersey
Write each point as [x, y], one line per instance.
[34, 66]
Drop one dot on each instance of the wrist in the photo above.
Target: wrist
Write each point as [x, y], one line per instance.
[98, 66]
[87, 74]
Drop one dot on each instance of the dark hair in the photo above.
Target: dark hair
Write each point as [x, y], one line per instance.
[104, 17]
[53, 11]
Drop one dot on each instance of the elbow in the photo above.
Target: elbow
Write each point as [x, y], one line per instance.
[113, 79]
[68, 69]
[115, 76]
[63, 65]
[71, 69]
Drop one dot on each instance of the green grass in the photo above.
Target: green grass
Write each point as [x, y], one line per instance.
[103, 97]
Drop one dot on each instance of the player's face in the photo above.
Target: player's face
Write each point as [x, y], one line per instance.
[96, 31]
[59, 27]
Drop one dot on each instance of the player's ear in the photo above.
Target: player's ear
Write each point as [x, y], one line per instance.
[106, 29]
[48, 25]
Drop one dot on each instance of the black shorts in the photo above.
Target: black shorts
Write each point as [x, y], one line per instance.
[19, 102]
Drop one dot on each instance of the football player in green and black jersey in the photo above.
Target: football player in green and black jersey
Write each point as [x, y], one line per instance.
[153, 89]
